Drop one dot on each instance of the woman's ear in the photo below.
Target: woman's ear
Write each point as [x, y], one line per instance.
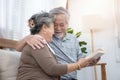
[44, 28]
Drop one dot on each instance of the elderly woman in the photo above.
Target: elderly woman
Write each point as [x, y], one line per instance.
[41, 64]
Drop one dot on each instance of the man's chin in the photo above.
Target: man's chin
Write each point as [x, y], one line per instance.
[60, 36]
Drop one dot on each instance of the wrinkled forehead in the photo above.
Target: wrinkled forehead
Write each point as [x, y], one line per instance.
[60, 18]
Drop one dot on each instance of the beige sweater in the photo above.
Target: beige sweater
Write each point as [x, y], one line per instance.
[39, 64]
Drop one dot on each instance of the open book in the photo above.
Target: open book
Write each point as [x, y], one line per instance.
[96, 54]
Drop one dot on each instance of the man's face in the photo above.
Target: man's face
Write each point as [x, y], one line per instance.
[60, 26]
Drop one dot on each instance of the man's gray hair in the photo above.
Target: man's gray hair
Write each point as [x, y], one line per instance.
[60, 10]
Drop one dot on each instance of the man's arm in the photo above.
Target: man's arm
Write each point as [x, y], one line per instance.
[35, 41]
[20, 45]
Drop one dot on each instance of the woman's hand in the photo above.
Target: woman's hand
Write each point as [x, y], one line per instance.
[94, 61]
[82, 62]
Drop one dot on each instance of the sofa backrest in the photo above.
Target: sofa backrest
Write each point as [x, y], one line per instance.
[9, 62]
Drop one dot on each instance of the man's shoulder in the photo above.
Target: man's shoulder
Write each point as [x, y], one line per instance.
[71, 36]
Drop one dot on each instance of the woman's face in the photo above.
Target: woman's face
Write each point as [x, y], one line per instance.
[50, 32]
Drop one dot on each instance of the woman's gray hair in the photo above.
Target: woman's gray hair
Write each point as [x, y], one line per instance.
[45, 18]
[60, 10]
[41, 19]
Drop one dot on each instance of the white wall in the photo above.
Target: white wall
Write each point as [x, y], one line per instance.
[100, 16]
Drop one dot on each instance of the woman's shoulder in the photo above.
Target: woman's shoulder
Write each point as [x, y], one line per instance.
[29, 48]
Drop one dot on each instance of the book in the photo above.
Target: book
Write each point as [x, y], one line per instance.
[96, 54]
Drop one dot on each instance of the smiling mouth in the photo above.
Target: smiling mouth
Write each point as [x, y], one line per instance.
[58, 32]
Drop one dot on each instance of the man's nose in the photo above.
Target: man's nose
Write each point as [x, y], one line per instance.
[58, 28]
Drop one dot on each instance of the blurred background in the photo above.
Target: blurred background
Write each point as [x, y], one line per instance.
[100, 16]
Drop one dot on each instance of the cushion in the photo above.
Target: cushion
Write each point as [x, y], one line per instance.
[9, 62]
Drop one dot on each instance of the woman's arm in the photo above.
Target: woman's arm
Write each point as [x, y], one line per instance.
[47, 62]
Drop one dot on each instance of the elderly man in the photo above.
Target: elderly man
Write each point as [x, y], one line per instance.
[64, 45]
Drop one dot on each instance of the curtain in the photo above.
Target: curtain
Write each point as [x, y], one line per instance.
[10, 18]
[14, 15]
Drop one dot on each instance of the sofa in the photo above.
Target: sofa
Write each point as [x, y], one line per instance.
[9, 62]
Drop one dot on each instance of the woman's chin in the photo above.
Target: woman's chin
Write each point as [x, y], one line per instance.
[49, 40]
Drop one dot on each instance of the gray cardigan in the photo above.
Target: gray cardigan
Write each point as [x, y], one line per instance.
[39, 64]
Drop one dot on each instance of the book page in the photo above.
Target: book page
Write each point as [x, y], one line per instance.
[96, 54]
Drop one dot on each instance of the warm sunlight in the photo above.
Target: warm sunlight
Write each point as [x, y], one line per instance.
[97, 22]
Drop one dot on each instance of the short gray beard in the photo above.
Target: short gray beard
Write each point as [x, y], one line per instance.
[59, 36]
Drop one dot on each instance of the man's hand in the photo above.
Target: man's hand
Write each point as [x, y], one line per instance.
[35, 41]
